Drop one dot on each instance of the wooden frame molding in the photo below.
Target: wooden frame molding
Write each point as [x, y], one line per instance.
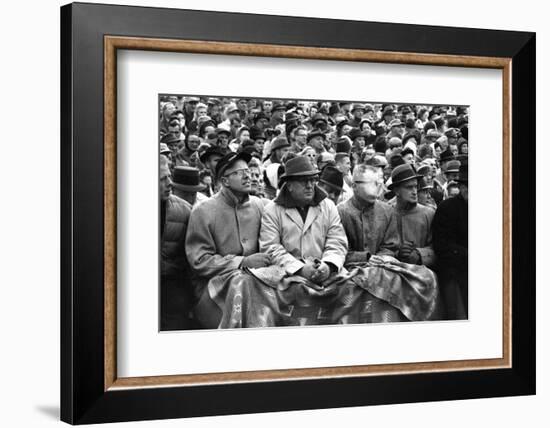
[113, 43]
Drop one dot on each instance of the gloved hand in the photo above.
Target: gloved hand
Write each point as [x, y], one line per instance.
[307, 271]
[257, 260]
[321, 273]
[409, 254]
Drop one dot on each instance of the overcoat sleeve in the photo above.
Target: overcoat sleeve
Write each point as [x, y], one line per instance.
[426, 252]
[201, 247]
[271, 243]
[336, 243]
[445, 237]
[390, 242]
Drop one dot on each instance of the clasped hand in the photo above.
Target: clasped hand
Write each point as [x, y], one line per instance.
[409, 254]
[315, 271]
[256, 260]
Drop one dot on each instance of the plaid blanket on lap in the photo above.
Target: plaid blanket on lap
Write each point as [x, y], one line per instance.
[266, 297]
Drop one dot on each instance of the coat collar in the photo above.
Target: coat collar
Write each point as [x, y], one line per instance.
[286, 200]
[360, 205]
[230, 199]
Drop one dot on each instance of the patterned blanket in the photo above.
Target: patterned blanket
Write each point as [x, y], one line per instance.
[365, 293]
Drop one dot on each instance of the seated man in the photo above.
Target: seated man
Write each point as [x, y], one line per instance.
[366, 220]
[302, 232]
[301, 228]
[331, 181]
[223, 233]
[175, 297]
[412, 220]
[450, 234]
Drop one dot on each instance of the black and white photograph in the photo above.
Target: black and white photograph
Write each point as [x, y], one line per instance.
[290, 212]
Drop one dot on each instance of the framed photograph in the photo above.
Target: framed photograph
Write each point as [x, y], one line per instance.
[267, 213]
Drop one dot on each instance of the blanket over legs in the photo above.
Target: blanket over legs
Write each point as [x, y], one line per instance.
[388, 292]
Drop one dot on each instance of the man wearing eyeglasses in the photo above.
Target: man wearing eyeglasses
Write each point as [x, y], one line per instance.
[301, 228]
[223, 233]
[366, 220]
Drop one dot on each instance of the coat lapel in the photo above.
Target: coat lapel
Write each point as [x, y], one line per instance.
[295, 216]
[312, 214]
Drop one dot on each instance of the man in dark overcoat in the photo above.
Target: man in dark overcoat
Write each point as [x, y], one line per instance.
[450, 242]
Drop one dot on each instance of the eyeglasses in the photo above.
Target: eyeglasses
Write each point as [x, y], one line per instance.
[307, 180]
[240, 172]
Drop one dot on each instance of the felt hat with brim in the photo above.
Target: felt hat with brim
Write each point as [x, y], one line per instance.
[423, 185]
[396, 122]
[462, 174]
[377, 161]
[319, 118]
[164, 149]
[358, 107]
[314, 134]
[332, 177]
[229, 160]
[261, 115]
[210, 151]
[231, 107]
[299, 167]
[355, 133]
[432, 133]
[169, 139]
[278, 106]
[396, 160]
[279, 143]
[452, 166]
[402, 173]
[186, 178]
[445, 156]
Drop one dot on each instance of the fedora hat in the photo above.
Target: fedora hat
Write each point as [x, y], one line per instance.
[452, 166]
[402, 173]
[445, 156]
[169, 139]
[396, 122]
[314, 134]
[164, 148]
[300, 166]
[332, 177]
[187, 178]
[422, 184]
[278, 143]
